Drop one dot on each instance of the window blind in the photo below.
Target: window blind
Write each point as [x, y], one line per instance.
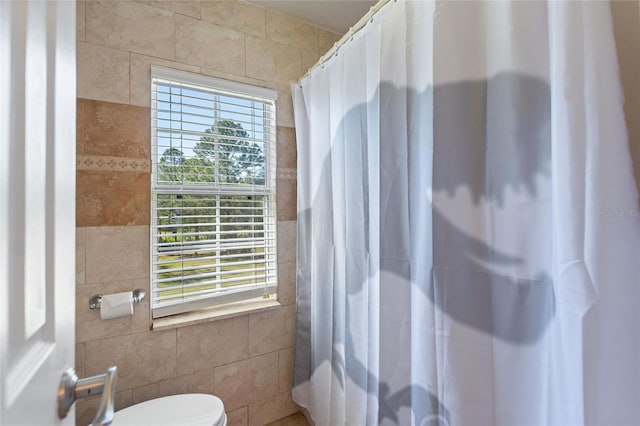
[213, 233]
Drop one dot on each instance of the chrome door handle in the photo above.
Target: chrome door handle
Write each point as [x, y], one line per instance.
[72, 388]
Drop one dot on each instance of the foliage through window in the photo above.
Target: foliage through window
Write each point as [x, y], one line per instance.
[213, 185]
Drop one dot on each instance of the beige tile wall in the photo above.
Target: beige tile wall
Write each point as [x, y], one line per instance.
[626, 25]
[246, 360]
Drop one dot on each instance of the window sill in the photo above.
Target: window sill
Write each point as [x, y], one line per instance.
[214, 314]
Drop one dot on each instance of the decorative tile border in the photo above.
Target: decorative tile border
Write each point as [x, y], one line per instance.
[112, 164]
[119, 164]
[283, 173]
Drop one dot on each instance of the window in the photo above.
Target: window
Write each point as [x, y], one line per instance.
[213, 224]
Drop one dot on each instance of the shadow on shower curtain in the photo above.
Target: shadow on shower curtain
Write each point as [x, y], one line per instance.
[458, 259]
[514, 308]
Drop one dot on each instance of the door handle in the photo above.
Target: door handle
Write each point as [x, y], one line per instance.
[72, 388]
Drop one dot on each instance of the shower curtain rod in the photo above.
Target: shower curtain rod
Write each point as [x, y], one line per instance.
[357, 27]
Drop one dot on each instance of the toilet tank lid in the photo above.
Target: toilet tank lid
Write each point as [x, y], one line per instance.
[177, 410]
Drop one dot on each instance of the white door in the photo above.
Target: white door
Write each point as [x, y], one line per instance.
[37, 207]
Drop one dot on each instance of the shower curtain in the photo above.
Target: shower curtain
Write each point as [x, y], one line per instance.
[468, 232]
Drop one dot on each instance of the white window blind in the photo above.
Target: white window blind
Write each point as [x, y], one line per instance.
[213, 233]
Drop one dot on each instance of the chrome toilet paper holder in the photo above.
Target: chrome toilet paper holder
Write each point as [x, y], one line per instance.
[137, 297]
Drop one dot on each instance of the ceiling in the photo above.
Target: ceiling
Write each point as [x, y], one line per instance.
[334, 15]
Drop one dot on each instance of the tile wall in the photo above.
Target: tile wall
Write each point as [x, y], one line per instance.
[626, 27]
[246, 360]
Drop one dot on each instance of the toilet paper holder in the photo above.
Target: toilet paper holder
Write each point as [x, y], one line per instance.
[137, 297]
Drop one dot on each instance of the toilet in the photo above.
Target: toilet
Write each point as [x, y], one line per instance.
[192, 409]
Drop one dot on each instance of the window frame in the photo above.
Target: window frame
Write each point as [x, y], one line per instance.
[268, 190]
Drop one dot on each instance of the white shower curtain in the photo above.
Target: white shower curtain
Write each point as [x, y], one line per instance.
[468, 231]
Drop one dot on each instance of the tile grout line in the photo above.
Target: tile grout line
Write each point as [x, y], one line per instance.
[251, 357]
[175, 371]
[129, 82]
